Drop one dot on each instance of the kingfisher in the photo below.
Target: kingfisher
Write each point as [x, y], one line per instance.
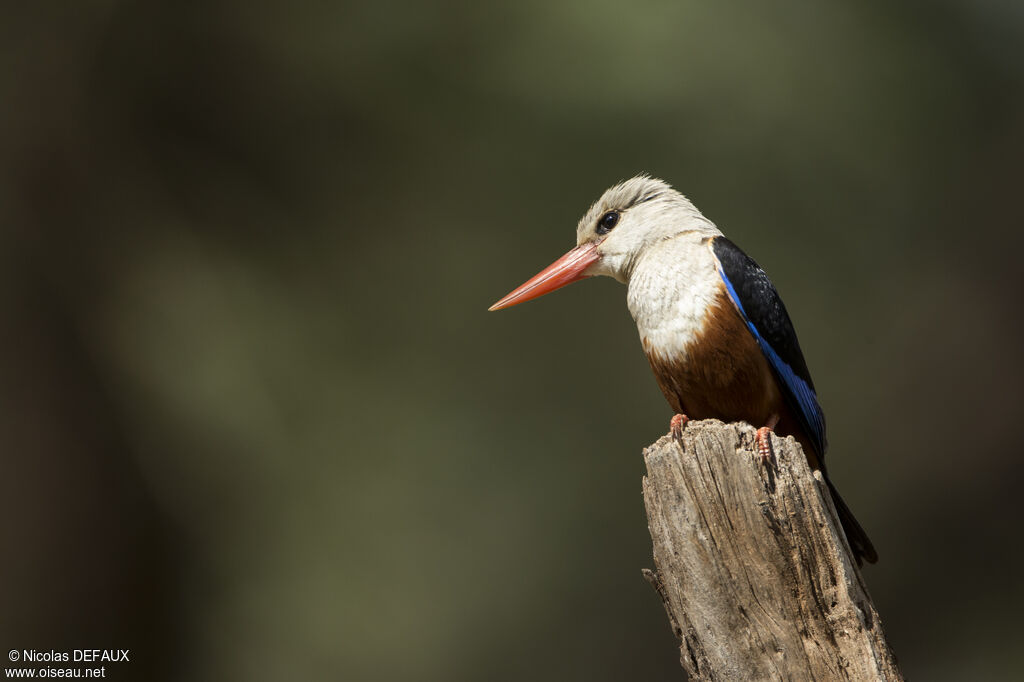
[712, 324]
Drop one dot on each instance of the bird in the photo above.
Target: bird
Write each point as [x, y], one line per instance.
[712, 325]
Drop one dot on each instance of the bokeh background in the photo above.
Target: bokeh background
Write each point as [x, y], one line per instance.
[256, 423]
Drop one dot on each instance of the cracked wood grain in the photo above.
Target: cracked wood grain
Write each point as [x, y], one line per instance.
[752, 565]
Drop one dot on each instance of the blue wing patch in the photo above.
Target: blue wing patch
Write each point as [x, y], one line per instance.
[765, 315]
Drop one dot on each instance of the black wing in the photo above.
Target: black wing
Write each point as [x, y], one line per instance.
[766, 317]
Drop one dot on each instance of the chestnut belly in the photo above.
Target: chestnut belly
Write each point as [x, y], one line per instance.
[724, 375]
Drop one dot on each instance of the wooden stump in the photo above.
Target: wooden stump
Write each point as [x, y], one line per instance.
[752, 564]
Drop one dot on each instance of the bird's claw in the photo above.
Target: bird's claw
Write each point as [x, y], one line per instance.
[677, 425]
[764, 445]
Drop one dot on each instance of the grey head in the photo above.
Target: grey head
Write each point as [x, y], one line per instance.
[633, 216]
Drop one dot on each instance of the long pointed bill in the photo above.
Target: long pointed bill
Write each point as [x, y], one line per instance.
[566, 270]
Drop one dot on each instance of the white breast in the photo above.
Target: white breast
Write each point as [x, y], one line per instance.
[671, 289]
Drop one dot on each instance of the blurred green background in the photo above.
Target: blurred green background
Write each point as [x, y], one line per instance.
[255, 422]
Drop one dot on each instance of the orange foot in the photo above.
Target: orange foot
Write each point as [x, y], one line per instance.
[677, 425]
[764, 440]
[764, 444]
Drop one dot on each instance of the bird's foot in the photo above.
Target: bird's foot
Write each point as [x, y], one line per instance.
[764, 445]
[677, 425]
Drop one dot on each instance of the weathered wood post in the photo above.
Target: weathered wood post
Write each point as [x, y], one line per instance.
[752, 564]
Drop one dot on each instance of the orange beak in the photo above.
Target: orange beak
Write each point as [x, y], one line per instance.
[566, 270]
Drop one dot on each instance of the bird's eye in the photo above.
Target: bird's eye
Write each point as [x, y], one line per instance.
[607, 222]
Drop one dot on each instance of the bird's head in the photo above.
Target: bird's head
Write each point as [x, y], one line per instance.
[628, 219]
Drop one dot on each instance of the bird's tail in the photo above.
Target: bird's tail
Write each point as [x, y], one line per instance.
[862, 548]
